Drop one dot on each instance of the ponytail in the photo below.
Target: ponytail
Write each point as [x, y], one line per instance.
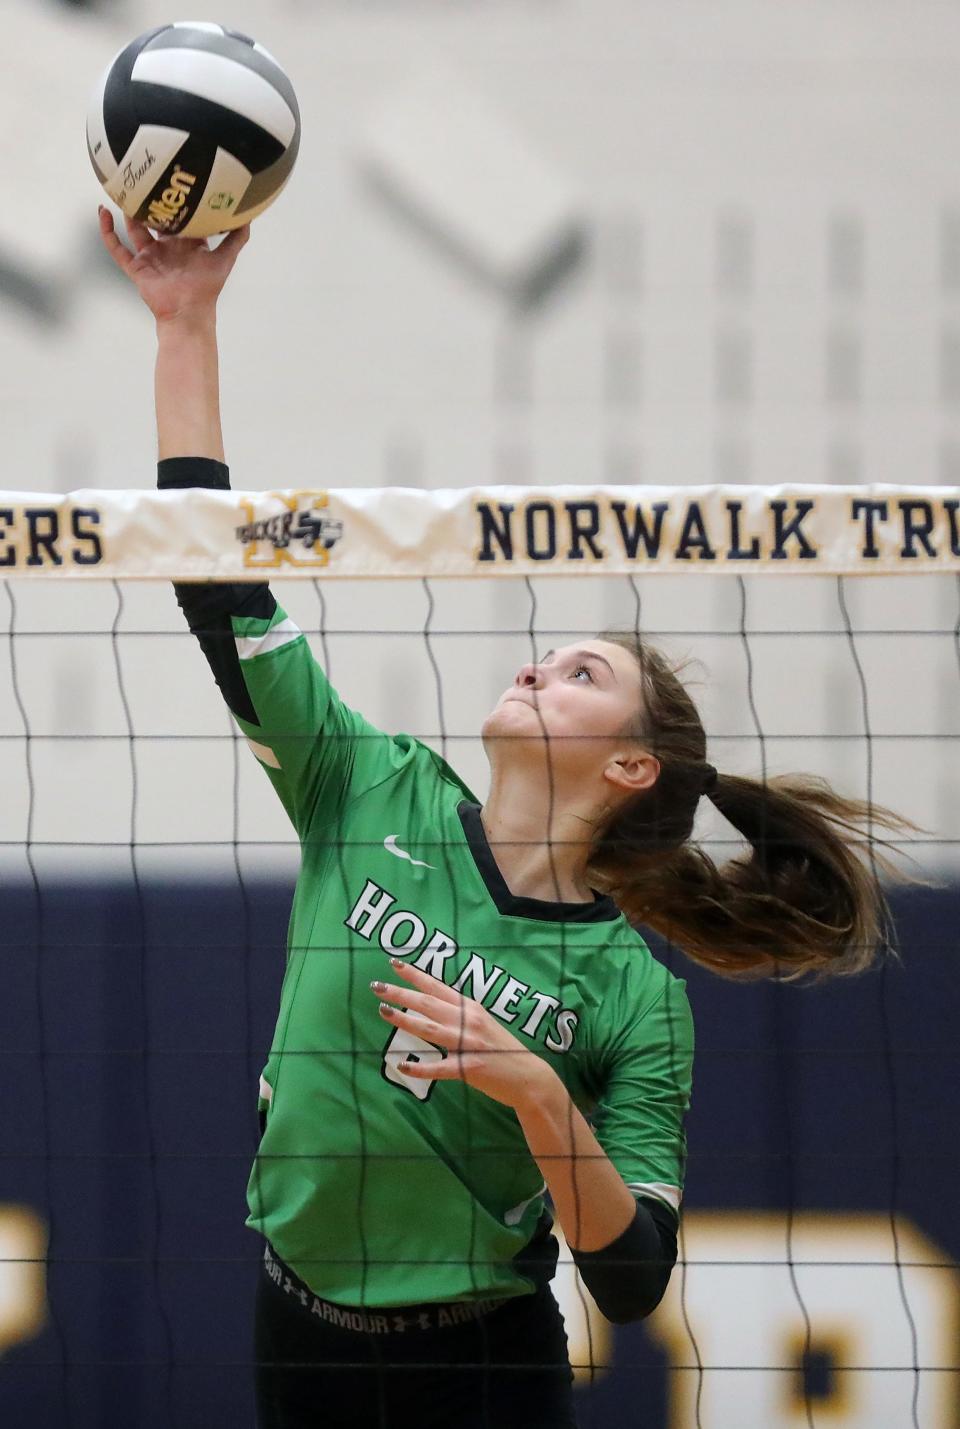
[801, 900]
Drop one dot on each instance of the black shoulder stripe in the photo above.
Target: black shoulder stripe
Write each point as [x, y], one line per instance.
[209, 606]
[219, 646]
[208, 609]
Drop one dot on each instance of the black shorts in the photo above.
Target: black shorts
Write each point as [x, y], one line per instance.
[436, 1367]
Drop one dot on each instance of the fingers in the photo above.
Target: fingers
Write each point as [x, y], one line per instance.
[140, 235]
[423, 1027]
[426, 982]
[228, 251]
[143, 242]
[120, 255]
[427, 1003]
[449, 1069]
[430, 1010]
[236, 239]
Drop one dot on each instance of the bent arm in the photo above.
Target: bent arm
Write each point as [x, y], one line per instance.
[624, 1248]
[617, 1184]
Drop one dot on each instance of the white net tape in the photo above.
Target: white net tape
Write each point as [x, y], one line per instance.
[214, 535]
[849, 678]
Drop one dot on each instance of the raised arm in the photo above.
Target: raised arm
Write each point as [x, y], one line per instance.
[310, 744]
[180, 281]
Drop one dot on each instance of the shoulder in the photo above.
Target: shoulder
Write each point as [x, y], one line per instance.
[644, 979]
[428, 762]
[408, 762]
[648, 1002]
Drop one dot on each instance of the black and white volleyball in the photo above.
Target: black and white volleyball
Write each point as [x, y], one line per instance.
[193, 129]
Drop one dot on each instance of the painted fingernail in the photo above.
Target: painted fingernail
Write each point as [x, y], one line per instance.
[396, 963]
[385, 1007]
[378, 986]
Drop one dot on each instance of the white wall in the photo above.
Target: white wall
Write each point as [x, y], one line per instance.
[772, 294]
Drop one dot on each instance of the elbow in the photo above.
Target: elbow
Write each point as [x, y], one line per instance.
[635, 1300]
[628, 1279]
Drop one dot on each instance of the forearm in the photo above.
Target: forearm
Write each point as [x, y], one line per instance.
[591, 1201]
[623, 1248]
[187, 387]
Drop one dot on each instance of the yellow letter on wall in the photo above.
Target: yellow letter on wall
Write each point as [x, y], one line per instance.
[733, 1324]
[23, 1301]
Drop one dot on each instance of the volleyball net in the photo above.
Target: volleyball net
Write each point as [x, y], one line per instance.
[147, 867]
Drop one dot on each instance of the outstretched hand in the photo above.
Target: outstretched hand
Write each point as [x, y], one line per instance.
[175, 277]
[480, 1050]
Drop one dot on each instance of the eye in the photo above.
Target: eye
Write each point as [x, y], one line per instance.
[584, 669]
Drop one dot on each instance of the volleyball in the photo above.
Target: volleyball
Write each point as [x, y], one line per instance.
[193, 129]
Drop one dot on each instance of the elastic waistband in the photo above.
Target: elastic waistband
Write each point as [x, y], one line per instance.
[391, 1320]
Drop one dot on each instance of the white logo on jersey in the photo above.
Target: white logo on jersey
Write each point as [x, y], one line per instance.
[390, 844]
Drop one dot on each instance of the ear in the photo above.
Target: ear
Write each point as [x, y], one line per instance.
[633, 771]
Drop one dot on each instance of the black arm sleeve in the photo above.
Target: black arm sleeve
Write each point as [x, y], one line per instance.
[627, 1278]
[208, 607]
[175, 473]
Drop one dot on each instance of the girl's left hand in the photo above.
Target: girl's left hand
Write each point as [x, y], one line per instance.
[480, 1050]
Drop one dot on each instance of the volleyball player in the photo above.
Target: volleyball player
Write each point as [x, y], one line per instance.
[468, 1019]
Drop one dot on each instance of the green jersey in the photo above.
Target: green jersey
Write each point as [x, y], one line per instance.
[375, 1188]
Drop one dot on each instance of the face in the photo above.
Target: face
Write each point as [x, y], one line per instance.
[574, 704]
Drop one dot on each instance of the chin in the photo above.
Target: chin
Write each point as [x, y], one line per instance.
[509, 718]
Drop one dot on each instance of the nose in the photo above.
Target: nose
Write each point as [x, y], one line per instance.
[529, 677]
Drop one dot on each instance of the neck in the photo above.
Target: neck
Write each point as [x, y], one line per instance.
[541, 846]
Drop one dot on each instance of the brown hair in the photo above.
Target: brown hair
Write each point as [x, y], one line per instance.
[800, 901]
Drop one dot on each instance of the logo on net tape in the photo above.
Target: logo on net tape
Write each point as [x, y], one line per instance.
[302, 534]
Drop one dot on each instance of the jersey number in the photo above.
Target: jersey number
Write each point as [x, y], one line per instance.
[403, 1046]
